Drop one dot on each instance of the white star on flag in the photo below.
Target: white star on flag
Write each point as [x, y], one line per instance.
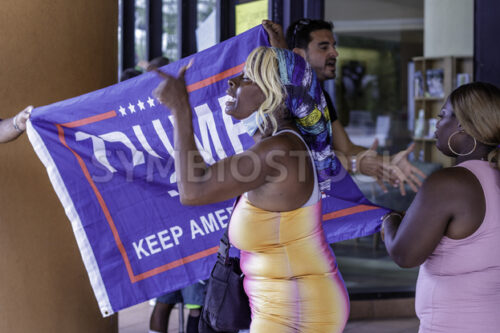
[151, 102]
[131, 108]
[122, 111]
[141, 106]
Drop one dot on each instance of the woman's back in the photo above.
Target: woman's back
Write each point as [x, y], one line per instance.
[458, 288]
[292, 180]
[291, 275]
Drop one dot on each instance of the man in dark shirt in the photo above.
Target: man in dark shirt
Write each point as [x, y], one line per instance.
[314, 41]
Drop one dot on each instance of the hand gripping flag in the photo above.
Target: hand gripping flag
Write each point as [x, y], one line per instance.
[109, 156]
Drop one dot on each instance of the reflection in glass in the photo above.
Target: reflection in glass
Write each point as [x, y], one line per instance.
[120, 40]
[376, 40]
[249, 14]
[169, 43]
[141, 24]
[371, 85]
[206, 26]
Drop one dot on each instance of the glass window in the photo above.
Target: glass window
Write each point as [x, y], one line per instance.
[206, 35]
[249, 14]
[141, 24]
[375, 45]
[371, 86]
[169, 43]
[120, 39]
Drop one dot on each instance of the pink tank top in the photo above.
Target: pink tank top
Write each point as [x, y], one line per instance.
[458, 286]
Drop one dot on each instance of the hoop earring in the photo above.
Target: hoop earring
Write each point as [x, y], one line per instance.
[460, 154]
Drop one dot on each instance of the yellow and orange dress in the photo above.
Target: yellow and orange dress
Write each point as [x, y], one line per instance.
[291, 276]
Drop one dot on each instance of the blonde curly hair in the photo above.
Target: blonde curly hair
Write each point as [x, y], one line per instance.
[261, 67]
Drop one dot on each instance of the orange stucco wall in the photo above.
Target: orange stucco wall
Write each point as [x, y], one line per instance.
[49, 51]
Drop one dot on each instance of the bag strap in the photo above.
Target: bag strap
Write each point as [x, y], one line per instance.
[224, 244]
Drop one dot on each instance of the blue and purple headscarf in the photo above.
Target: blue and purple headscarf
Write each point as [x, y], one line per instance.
[306, 102]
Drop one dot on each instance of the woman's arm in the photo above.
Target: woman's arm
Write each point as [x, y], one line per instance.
[11, 128]
[198, 183]
[411, 241]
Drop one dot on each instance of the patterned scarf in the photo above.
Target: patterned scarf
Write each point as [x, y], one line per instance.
[307, 104]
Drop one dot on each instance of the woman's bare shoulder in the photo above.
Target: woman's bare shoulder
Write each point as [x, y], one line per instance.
[451, 184]
[284, 142]
[453, 176]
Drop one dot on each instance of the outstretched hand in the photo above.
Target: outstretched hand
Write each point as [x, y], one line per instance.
[275, 33]
[372, 164]
[22, 117]
[397, 171]
[410, 173]
[172, 91]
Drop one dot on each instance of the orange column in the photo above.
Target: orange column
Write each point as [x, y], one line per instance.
[49, 51]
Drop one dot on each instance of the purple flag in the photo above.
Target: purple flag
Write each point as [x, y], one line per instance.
[109, 156]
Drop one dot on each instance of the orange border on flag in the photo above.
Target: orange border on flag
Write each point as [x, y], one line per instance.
[215, 78]
[348, 211]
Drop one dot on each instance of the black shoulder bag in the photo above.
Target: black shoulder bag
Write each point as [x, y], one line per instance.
[226, 307]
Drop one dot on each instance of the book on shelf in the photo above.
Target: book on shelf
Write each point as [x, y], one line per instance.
[434, 83]
[418, 84]
[462, 78]
[431, 127]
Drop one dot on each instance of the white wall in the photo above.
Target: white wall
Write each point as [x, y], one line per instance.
[448, 28]
[375, 15]
[356, 10]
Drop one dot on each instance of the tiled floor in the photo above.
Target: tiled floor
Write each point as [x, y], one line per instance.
[136, 320]
[400, 325]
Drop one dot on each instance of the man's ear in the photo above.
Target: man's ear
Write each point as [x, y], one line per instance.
[300, 52]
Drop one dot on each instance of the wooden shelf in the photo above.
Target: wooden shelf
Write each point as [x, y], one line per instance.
[430, 99]
[424, 139]
[450, 66]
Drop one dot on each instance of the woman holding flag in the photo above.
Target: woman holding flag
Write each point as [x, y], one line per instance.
[291, 275]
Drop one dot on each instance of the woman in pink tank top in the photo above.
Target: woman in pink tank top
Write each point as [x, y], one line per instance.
[452, 228]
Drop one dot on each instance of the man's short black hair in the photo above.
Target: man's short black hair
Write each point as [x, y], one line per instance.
[298, 33]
